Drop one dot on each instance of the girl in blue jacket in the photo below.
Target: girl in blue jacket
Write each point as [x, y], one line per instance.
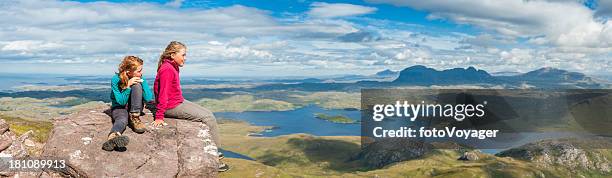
[129, 91]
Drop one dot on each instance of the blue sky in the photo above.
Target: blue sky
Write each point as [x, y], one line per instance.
[307, 38]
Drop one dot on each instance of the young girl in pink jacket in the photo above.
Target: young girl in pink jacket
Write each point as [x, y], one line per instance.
[169, 97]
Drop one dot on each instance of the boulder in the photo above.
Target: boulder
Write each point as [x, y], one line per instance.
[392, 150]
[3, 126]
[469, 156]
[180, 149]
[584, 154]
[11, 147]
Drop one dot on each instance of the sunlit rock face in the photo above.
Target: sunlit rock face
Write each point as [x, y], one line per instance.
[180, 149]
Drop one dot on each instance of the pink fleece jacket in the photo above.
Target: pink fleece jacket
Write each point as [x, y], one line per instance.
[167, 88]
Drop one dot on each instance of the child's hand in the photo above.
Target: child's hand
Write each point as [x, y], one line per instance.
[133, 81]
[159, 123]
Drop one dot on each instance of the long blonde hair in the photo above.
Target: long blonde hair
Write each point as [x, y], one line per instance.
[129, 63]
[173, 47]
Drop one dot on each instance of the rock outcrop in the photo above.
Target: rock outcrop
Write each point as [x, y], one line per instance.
[180, 149]
[569, 153]
[392, 150]
[469, 156]
[11, 147]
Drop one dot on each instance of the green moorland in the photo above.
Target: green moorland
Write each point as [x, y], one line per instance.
[25, 114]
[274, 101]
[240, 103]
[335, 119]
[41, 129]
[43, 109]
[330, 100]
[302, 155]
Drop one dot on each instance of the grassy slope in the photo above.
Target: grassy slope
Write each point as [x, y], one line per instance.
[241, 103]
[24, 114]
[43, 109]
[245, 168]
[270, 101]
[41, 129]
[302, 155]
[331, 100]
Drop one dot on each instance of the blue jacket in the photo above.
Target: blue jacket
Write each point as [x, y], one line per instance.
[120, 97]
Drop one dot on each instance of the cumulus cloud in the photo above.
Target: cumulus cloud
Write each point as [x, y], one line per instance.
[42, 31]
[239, 40]
[487, 40]
[175, 3]
[516, 56]
[331, 10]
[563, 23]
[235, 49]
[28, 46]
[360, 36]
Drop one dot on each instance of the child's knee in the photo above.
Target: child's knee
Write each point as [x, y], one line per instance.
[207, 115]
[136, 86]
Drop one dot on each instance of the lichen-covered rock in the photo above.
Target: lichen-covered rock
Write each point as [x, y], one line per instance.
[3, 126]
[569, 153]
[180, 149]
[11, 147]
[6, 140]
[469, 156]
[392, 150]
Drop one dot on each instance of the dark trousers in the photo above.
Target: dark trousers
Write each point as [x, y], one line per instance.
[121, 114]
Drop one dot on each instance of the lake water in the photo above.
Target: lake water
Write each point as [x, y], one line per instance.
[8, 82]
[301, 120]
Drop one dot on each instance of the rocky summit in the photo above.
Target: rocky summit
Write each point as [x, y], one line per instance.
[180, 149]
[569, 153]
[11, 147]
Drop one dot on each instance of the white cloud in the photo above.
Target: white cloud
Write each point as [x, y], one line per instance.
[329, 10]
[30, 46]
[404, 54]
[175, 3]
[245, 39]
[516, 56]
[487, 40]
[47, 31]
[563, 23]
[228, 52]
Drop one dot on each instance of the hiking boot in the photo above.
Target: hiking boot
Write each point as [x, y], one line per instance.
[223, 167]
[135, 124]
[115, 140]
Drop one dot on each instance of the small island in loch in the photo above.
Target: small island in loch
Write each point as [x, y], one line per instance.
[335, 119]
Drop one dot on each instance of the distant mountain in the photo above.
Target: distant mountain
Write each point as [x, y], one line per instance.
[349, 78]
[387, 73]
[545, 78]
[421, 75]
[306, 80]
[548, 77]
[541, 78]
[554, 75]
